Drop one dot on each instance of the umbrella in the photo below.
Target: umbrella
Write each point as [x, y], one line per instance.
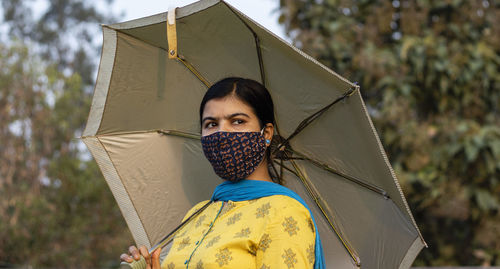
[143, 131]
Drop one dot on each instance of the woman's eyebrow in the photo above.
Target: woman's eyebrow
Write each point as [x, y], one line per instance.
[237, 114]
[207, 118]
[226, 117]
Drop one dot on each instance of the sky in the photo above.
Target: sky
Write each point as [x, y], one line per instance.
[265, 12]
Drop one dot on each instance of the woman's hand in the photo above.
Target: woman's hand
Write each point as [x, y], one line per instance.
[152, 260]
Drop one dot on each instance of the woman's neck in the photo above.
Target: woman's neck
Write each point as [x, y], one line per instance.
[261, 173]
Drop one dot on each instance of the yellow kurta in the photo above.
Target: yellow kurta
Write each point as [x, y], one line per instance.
[270, 232]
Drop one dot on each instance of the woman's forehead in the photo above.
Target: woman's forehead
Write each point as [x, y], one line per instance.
[227, 106]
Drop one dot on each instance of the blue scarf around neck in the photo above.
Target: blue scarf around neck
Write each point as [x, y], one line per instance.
[245, 189]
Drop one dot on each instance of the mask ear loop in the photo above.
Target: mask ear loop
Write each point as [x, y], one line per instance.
[262, 133]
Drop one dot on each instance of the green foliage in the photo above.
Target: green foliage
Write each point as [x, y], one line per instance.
[64, 34]
[55, 207]
[430, 73]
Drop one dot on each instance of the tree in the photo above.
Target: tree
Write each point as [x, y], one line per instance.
[55, 207]
[429, 72]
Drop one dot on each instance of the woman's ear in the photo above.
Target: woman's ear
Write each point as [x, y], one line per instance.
[268, 133]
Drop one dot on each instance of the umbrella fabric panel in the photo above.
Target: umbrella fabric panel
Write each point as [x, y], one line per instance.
[154, 167]
[152, 96]
[215, 53]
[336, 256]
[299, 84]
[378, 231]
[118, 189]
[342, 138]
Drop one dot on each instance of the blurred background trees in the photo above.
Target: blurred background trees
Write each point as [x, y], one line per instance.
[55, 207]
[429, 72]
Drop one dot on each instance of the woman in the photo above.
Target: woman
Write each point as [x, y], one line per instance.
[253, 222]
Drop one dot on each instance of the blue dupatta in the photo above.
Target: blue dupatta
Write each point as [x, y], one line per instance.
[252, 189]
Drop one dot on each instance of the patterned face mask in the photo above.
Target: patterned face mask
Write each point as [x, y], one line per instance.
[234, 155]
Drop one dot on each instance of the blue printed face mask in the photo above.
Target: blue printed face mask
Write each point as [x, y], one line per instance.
[234, 155]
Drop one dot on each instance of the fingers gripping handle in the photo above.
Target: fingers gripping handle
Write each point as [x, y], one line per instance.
[140, 264]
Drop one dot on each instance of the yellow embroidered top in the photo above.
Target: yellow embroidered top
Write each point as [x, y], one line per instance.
[270, 232]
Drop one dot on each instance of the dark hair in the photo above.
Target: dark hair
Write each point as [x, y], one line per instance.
[252, 93]
[247, 90]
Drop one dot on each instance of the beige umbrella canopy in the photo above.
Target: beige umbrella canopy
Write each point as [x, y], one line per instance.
[143, 131]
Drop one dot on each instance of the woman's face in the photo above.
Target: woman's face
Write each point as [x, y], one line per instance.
[228, 114]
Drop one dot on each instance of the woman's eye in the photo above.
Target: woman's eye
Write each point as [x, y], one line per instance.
[238, 121]
[210, 125]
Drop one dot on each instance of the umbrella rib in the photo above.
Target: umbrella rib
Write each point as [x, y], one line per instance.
[193, 70]
[360, 182]
[180, 58]
[304, 123]
[161, 131]
[257, 45]
[278, 176]
[286, 168]
[281, 170]
[318, 201]
[180, 134]
[165, 240]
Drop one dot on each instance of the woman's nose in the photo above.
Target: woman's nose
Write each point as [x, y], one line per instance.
[224, 127]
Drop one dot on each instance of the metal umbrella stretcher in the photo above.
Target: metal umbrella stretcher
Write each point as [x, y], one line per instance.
[143, 131]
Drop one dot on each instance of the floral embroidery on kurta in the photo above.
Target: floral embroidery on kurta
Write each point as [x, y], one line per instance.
[223, 257]
[263, 210]
[264, 267]
[233, 219]
[243, 233]
[200, 220]
[310, 253]
[227, 207]
[264, 242]
[289, 258]
[213, 241]
[310, 224]
[253, 249]
[171, 266]
[199, 265]
[290, 226]
[184, 243]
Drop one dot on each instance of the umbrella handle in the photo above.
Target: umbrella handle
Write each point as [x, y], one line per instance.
[140, 264]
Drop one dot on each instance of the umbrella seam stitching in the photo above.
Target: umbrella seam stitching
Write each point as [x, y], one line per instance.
[110, 79]
[92, 106]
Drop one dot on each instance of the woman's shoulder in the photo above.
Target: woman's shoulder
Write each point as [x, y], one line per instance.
[195, 208]
[284, 204]
[288, 213]
[282, 200]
